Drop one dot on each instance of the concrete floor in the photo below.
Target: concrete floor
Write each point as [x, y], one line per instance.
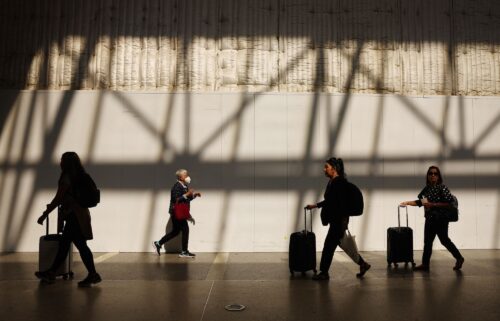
[143, 286]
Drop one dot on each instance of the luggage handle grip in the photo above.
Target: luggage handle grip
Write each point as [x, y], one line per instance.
[305, 219]
[399, 208]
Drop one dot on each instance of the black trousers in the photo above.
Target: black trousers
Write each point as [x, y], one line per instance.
[72, 233]
[332, 240]
[177, 227]
[437, 227]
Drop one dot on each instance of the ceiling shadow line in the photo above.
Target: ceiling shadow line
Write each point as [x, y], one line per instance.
[242, 171]
[11, 236]
[96, 119]
[442, 131]
[50, 139]
[163, 148]
[11, 232]
[461, 121]
[425, 120]
[484, 134]
[234, 150]
[373, 163]
[334, 132]
[358, 160]
[142, 120]
[319, 83]
[243, 105]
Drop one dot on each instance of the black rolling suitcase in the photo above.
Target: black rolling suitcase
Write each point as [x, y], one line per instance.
[400, 243]
[48, 247]
[302, 250]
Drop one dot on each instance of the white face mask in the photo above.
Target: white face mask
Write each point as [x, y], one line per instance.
[187, 180]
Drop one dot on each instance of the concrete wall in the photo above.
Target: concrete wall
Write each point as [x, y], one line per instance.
[414, 47]
[257, 158]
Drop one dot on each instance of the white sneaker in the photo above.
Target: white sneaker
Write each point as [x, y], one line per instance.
[187, 254]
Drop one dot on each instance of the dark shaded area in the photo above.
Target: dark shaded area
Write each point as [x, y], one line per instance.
[143, 286]
[435, 19]
[144, 176]
[8, 99]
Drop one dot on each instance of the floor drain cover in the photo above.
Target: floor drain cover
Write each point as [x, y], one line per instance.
[235, 307]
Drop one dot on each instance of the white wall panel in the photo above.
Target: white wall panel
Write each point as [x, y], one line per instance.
[256, 158]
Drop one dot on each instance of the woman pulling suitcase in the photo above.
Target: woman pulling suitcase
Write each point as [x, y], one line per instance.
[77, 228]
[435, 197]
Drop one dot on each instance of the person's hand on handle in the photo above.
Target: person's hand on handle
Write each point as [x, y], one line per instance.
[191, 219]
[197, 194]
[45, 213]
[311, 206]
[42, 218]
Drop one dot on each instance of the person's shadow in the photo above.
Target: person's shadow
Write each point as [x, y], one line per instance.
[175, 244]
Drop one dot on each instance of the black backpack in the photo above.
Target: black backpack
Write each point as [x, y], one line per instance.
[451, 212]
[86, 192]
[354, 204]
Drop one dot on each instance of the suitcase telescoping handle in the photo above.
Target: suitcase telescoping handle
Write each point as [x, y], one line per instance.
[399, 208]
[47, 226]
[305, 219]
[59, 228]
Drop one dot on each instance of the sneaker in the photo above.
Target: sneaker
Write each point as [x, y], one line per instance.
[157, 247]
[93, 278]
[46, 276]
[187, 254]
[421, 267]
[458, 264]
[321, 277]
[362, 269]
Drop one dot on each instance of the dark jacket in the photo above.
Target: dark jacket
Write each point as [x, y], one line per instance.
[176, 195]
[69, 206]
[333, 207]
[435, 194]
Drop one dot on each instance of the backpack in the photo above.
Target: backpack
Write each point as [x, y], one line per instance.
[86, 192]
[452, 213]
[355, 204]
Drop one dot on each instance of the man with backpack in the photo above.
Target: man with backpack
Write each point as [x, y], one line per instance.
[341, 200]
